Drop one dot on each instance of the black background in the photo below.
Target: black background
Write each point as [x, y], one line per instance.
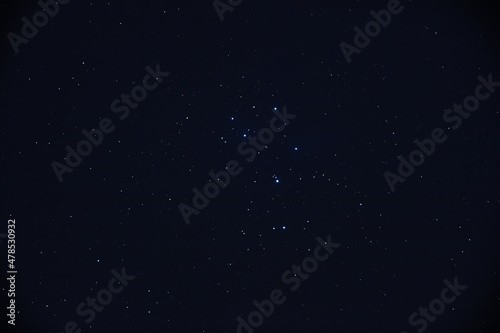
[119, 208]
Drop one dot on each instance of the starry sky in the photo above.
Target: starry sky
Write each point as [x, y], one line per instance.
[221, 74]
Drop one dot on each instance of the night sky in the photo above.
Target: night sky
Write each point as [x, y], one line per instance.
[250, 166]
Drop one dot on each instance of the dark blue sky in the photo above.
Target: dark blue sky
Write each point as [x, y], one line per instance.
[119, 208]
